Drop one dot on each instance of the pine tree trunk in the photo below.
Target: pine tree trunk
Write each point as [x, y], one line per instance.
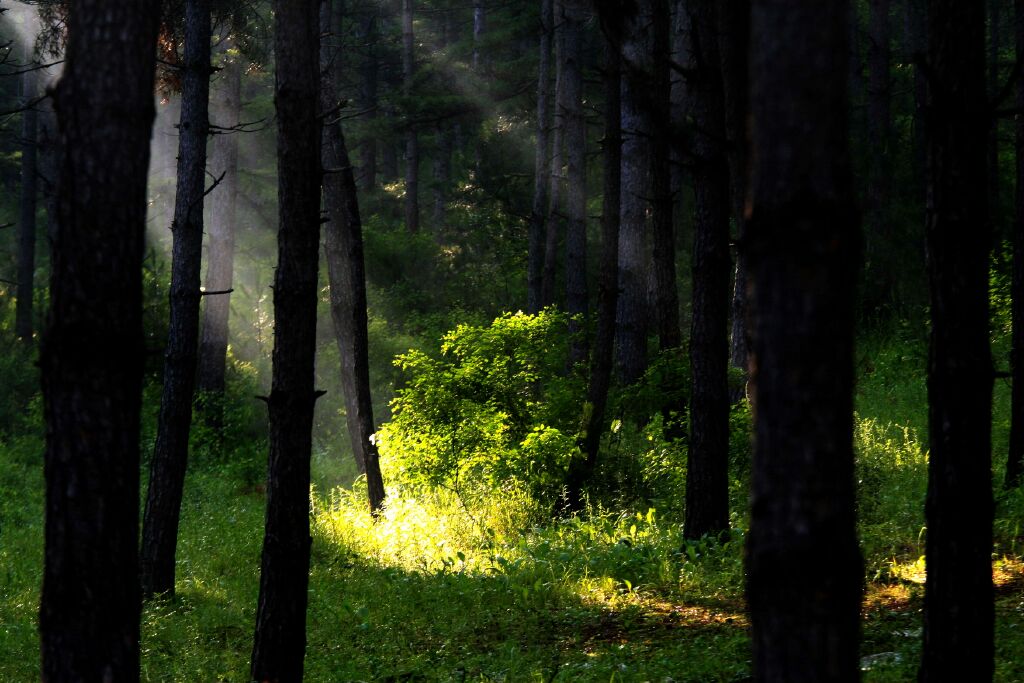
[280, 639]
[167, 467]
[542, 166]
[213, 342]
[803, 245]
[958, 610]
[27, 210]
[92, 353]
[343, 247]
[1015, 459]
[576, 295]
[994, 45]
[707, 484]
[412, 142]
[556, 212]
[637, 70]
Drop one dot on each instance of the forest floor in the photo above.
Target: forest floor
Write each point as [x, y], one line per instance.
[426, 594]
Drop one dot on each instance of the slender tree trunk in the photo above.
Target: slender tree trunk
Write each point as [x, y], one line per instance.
[343, 246]
[412, 142]
[280, 639]
[679, 106]
[213, 341]
[442, 175]
[92, 354]
[576, 295]
[707, 482]
[994, 45]
[803, 240]
[368, 103]
[880, 294]
[479, 26]
[593, 422]
[542, 166]
[855, 72]
[27, 210]
[167, 467]
[916, 31]
[958, 610]
[734, 42]
[556, 213]
[637, 65]
[1015, 459]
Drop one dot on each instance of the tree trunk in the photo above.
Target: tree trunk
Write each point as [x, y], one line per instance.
[707, 482]
[167, 467]
[994, 45]
[280, 639]
[880, 290]
[734, 47]
[92, 354]
[1015, 459]
[593, 422]
[442, 175]
[679, 106]
[213, 342]
[479, 26]
[368, 103]
[343, 246]
[556, 213]
[576, 295]
[637, 65]
[803, 245]
[27, 210]
[412, 142]
[916, 31]
[958, 610]
[542, 166]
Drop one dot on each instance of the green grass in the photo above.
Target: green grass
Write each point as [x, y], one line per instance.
[442, 589]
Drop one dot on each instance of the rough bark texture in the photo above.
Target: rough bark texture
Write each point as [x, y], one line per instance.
[734, 47]
[555, 211]
[1015, 460]
[803, 245]
[541, 167]
[593, 422]
[679, 104]
[707, 483]
[280, 639]
[637, 70]
[27, 211]
[573, 14]
[220, 260]
[958, 611]
[412, 140]
[170, 457]
[880, 289]
[343, 247]
[92, 352]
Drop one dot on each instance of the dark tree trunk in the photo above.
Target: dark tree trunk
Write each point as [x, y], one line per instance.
[880, 294]
[958, 611]
[556, 213]
[803, 246]
[1015, 459]
[213, 341]
[637, 73]
[592, 424]
[343, 246]
[167, 467]
[576, 295]
[707, 483]
[368, 103]
[855, 72]
[412, 141]
[994, 45]
[916, 31]
[479, 26]
[280, 639]
[92, 354]
[442, 175]
[679, 105]
[542, 166]
[27, 210]
[734, 47]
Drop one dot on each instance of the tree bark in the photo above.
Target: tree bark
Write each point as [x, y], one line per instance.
[27, 210]
[734, 47]
[280, 639]
[803, 244]
[880, 290]
[92, 354]
[576, 294]
[707, 483]
[1015, 459]
[994, 45]
[637, 76]
[412, 142]
[170, 457]
[368, 103]
[593, 422]
[213, 342]
[479, 26]
[556, 213]
[542, 166]
[958, 609]
[916, 31]
[343, 246]
[442, 175]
